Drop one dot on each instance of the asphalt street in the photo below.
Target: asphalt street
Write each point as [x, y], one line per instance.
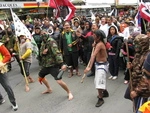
[85, 94]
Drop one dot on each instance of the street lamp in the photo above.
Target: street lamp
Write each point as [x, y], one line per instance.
[38, 5]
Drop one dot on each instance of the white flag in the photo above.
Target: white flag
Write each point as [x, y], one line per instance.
[92, 15]
[110, 14]
[21, 29]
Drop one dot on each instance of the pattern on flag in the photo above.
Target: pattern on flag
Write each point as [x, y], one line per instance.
[21, 29]
[144, 11]
[138, 21]
[64, 8]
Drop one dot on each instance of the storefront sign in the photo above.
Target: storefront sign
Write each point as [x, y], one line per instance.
[5, 5]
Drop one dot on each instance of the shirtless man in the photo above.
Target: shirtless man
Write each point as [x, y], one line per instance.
[99, 56]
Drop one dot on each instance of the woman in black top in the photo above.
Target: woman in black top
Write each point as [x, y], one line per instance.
[115, 42]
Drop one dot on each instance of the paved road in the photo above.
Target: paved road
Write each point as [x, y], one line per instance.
[85, 95]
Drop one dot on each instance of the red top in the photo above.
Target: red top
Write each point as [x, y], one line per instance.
[5, 53]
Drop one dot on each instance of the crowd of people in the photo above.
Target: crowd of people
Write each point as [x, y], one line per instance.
[106, 44]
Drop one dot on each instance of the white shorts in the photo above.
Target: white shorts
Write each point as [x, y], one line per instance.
[100, 77]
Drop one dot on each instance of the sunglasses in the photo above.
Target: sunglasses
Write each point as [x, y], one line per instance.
[146, 76]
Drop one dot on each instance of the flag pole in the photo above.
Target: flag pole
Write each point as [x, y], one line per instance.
[144, 25]
[57, 6]
[5, 27]
[130, 73]
[47, 7]
[22, 65]
[47, 11]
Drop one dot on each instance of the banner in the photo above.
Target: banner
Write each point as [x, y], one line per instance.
[21, 29]
[144, 11]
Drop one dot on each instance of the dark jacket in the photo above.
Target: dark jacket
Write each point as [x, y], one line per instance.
[116, 44]
[87, 40]
[53, 56]
[38, 40]
[63, 43]
[130, 49]
[56, 36]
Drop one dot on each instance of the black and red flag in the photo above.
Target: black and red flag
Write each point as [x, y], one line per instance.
[63, 8]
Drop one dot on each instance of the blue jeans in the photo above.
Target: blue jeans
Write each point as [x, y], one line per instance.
[5, 84]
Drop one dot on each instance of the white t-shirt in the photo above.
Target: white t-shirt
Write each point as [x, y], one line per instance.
[104, 28]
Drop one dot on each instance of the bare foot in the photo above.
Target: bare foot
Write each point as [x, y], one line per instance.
[31, 80]
[47, 91]
[70, 96]
[27, 89]
[70, 75]
[78, 73]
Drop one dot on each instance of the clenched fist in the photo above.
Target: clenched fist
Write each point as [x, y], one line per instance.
[2, 64]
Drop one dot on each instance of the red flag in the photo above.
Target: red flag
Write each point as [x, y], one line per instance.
[144, 11]
[52, 4]
[64, 8]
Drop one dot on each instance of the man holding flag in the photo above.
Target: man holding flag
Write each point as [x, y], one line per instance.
[26, 58]
[27, 48]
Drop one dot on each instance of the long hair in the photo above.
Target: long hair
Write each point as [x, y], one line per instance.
[116, 31]
[100, 34]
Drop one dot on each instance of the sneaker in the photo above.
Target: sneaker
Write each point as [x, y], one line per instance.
[99, 102]
[126, 82]
[2, 102]
[15, 108]
[110, 77]
[115, 77]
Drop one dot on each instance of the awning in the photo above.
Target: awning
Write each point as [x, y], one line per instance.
[35, 5]
[77, 1]
[91, 6]
[127, 2]
[100, 2]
